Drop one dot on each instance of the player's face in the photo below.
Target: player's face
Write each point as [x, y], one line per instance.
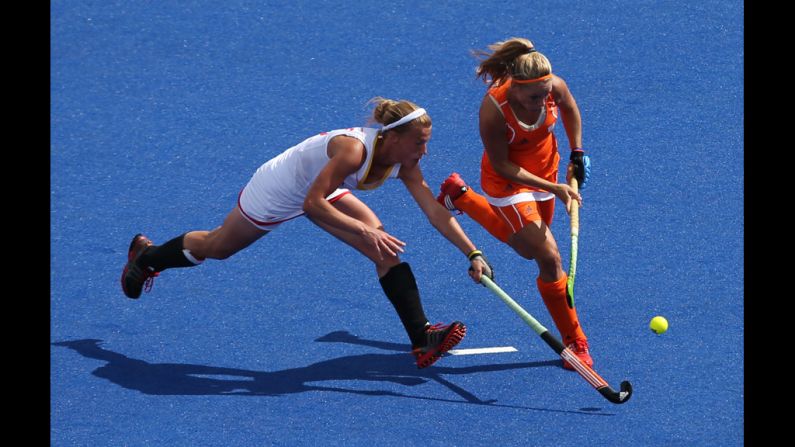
[412, 145]
[531, 96]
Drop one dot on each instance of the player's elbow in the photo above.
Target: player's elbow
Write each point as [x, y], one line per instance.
[310, 205]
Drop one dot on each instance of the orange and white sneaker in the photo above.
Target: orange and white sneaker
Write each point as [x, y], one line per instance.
[580, 348]
[439, 339]
[452, 188]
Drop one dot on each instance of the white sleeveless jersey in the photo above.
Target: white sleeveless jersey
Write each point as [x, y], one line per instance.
[277, 190]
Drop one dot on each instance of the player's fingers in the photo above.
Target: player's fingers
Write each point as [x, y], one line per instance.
[385, 246]
[476, 273]
[578, 198]
[376, 244]
[396, 241]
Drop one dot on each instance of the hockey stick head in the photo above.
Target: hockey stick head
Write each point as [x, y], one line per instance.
[617, 397]
[585, 371]
[590, 376]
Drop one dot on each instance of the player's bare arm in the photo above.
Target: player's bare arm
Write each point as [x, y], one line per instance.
[442, 220]
[572, 121]
[346, 156]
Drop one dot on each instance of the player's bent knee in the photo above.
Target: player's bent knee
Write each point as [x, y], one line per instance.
[387, 263]
[549, 262]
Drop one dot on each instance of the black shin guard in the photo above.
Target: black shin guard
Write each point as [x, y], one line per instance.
[166, 256]
[401, 288]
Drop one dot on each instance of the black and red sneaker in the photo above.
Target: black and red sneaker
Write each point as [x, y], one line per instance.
[452, 188]
[439, 339]
[135, 278]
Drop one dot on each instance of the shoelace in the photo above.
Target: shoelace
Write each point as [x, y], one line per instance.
[435, 327]
[150, 279]
[435, 332]
[578, 346]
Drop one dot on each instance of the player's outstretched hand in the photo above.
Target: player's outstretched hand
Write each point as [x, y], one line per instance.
[383, 242]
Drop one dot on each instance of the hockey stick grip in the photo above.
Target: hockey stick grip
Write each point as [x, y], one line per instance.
[574, 217]
[574, 208]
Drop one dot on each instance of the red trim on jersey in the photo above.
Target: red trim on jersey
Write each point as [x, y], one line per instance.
[240, 207]
[339, 197]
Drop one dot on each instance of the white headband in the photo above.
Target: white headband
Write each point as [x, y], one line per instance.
[411, 116]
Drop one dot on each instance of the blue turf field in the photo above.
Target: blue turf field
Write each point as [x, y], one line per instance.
[161, 111]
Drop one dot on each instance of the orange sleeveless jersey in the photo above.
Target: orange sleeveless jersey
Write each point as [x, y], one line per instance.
[536, 150]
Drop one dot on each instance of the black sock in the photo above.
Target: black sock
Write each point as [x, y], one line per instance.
[401, 288]
[166, 256]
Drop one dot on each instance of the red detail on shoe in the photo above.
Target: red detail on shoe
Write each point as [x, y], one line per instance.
[428, 355]
[451, 189]
[149, 281]
[580, 348]
[137, 246]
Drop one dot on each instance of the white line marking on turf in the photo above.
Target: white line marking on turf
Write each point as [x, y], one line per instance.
[482, 350]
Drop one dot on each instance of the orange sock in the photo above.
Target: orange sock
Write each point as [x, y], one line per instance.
[476, 207]
[565, 318]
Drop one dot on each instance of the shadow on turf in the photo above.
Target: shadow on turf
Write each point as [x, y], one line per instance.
[189, 379]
